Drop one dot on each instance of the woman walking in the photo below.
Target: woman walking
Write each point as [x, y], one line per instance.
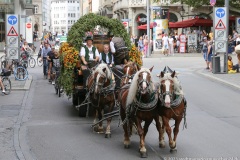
[140, 45]
[145, 46]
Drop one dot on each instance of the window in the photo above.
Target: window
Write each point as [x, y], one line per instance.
[35, 9]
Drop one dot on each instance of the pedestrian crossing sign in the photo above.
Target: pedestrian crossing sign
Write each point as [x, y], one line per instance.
[12, 32]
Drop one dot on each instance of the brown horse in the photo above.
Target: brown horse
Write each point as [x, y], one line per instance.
[140, 105]
[172, 106]
[129, 69]
[102, 94]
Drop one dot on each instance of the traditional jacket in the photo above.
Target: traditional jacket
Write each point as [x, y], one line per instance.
[110, 57]
[87, 52]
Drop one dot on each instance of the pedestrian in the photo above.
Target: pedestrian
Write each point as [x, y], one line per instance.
[2, 86]
[171, 42]
[231, 66]
[145, 42]
[209, 55]
[234, 37]
[237, 51]
[140, 45]
[45, 51]
[165, 44]
[205, 51]
[238, 40]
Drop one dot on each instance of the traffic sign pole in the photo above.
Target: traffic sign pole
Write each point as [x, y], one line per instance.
[213, 47]
[227, 30]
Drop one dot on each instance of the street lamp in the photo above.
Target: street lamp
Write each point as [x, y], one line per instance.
[182, 11]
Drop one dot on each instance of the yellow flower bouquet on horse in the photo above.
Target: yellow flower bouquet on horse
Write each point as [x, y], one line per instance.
[135, 55]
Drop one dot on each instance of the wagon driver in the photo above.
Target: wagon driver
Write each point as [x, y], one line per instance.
[89, 53]
[89, 56]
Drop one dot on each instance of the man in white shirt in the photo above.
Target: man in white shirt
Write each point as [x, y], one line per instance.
[111, 36]
[89, 53]
[165, 44]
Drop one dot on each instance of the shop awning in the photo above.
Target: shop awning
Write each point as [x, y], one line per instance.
[196, 22]
[144, 26]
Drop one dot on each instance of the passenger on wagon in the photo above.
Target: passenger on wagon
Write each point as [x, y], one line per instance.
[108, 58]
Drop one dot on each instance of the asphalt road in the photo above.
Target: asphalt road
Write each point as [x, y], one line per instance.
[52, 130]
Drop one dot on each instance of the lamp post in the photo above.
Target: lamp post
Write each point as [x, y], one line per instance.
[182, 12]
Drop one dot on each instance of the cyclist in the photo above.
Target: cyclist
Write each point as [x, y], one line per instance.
[45, 51]
[1, 85]
[49, 58]
[54, 65]
[26, 49]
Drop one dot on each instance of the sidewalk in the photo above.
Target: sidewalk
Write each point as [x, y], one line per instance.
[232, 79]
[21, 85]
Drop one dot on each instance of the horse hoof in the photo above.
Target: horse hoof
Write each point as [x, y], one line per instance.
[161, 145]
[173, 150]
[108, 135]
[126, 146]
[143, 154]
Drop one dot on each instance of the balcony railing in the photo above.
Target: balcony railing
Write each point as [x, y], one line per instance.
[137, 3]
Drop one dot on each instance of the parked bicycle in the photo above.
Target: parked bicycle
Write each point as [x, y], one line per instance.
[20, 72]
[6, 81]
[57, 86]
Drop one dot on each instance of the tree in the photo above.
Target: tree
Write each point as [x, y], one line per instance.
[198, 3]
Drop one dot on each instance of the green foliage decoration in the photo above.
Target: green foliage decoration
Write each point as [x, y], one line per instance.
[76, 37]
[89, 21]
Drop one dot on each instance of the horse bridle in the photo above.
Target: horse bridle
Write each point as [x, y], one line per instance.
[101, 84]
[140, 83]
[163, 94]
[129, 76]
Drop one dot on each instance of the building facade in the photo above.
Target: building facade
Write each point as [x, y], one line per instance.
[64, 14]
[46, 11]
[24, 8]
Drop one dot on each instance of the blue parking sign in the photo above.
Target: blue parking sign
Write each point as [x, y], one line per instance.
[12, 20]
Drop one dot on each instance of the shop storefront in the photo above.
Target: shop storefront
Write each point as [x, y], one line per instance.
[6, 7]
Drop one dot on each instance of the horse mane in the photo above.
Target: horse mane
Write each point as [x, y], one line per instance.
[100, 68]
[177, 87]
[134, 86]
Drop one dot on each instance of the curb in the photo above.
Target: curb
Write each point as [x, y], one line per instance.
[218, 79]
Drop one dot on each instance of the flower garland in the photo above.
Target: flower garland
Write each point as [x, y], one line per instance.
[135, 55]
[69, 57]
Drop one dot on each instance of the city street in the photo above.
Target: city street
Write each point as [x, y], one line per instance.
[37, 124]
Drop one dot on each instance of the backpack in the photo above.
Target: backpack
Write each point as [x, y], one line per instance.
[118, 42]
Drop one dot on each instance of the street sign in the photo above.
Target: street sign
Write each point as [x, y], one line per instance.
[28, 25]
[12, 19]
[220, 25]
[220, 12]
[29, 32]
[238, 24]
[220, 46]
[220, 28]
[12, 36]
[212, 2]
[125, 24]
[12, 53]
[12, 32]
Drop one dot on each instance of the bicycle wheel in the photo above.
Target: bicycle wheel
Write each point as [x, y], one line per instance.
[56, 88]
[39, 61]
[32, 62]
[7, 85]
[20, 73]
